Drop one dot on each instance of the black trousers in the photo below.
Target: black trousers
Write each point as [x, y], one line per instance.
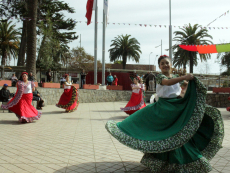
[48, 79]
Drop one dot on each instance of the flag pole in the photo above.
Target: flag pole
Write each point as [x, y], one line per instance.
[95, 44]
[103, 49]
[170, 32]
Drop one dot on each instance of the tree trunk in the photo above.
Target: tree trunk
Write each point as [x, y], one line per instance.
[4, 56]
[22, 50]
[191, 63]
[124, 61]
[31, 37]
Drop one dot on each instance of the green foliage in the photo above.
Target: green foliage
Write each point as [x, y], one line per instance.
[225, 62]
[226, 83]
[62, 28]
[190, 35]
[9, 40]
[123, 47]
[118, 62]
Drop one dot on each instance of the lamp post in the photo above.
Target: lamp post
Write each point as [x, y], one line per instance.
[149, 60]
[155, 61]
[159, 46]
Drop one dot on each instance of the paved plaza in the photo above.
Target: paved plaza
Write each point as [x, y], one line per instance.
[77, 142]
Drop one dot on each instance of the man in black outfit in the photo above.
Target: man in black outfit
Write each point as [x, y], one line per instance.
[147, 80]
[31, 78]
[83, 75]
[5, 94]
[48, 75]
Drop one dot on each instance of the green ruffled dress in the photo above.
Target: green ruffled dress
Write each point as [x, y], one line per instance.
[176, 135]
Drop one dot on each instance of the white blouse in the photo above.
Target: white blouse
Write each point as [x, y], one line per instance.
[67, 87]
[141, 86]
[164, 91]
[29, 88]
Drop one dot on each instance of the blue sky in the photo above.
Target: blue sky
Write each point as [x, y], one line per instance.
[155, 12]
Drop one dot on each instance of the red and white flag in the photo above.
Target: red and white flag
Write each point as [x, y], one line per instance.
[90, 6]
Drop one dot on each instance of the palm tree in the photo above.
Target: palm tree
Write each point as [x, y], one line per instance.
[190, 35]
[31, 36]
[124, 47]
[9, 41]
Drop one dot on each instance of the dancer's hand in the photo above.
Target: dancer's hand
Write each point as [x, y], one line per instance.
[189, 77]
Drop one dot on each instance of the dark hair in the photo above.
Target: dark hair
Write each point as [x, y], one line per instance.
[162, 57]
[137, 78]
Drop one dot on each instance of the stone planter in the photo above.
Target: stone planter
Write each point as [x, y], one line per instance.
[113, 87]
[76, 85]
[51, 85]
[90, 87]
[36, 84]
[102, 87]
[221, 90]
[8, 82]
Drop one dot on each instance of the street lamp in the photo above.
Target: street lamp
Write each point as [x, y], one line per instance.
[159, 46]
[149, 60]
[155, 61]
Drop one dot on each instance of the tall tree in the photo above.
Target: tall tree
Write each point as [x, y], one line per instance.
[190, 35]
[124, 48]
[80, 59]
[9, 40]
[225, 61]
[31, 36]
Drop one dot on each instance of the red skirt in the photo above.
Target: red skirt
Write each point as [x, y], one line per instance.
[69, 100]
[24, 109]
[135, 103]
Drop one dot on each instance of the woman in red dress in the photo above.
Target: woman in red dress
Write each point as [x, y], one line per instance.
[115, 80]
[136, 101]
[21, 103]
[69, 99]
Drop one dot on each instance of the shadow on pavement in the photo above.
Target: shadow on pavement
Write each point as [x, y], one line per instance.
[54, 112]
[73, 118]
[106, 167]
[109, 111]
[10, 122]
[112, 118]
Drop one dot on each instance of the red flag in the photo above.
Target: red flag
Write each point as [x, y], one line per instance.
[89, 8]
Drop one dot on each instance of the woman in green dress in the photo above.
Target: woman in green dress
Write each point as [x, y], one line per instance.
[176, 135]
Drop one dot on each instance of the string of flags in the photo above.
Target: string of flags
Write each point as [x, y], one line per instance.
[224, 14]
[159, 26]
[141, 25]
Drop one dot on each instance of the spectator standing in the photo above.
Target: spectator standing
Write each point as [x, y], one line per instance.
[48, 75]
[115, 80]
[147, 80]
[110, 79]
[83, 75]
[14, 80]
[150, 80]
[30, 77]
